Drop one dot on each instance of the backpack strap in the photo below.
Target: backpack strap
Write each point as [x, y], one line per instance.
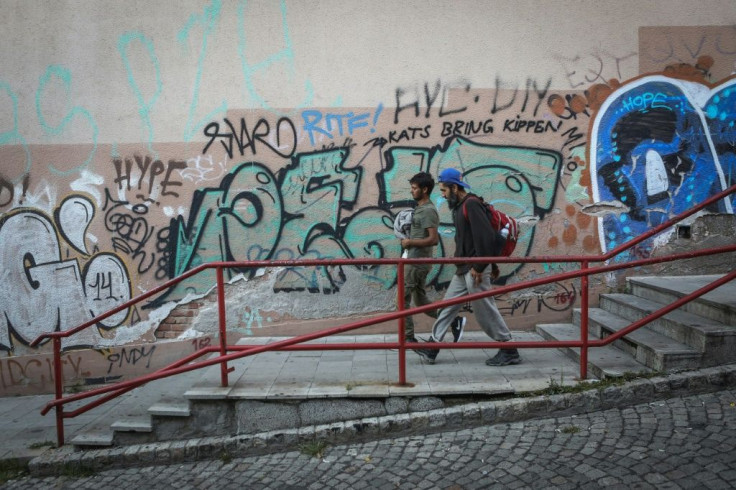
[465, 202]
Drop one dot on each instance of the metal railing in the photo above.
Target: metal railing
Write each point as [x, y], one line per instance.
[226, 353]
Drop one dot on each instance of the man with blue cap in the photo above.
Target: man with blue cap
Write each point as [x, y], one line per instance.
[474, 237]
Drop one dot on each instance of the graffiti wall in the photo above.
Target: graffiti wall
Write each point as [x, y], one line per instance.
[138, 143]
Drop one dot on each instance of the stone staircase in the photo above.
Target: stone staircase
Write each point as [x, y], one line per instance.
[700, 334]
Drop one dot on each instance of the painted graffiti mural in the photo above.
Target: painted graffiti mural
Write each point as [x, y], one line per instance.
[330, 185]
[257, 215]
[41, 291]
[585, 159]
[659, 146]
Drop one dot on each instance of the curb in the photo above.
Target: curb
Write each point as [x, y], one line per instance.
[520, 408]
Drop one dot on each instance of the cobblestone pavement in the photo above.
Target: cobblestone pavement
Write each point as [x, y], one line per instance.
[682, 442]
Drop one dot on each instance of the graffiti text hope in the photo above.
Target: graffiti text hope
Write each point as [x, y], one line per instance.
[645, 101]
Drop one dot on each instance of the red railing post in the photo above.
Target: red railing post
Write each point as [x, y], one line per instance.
[59, 387]
[584, 265]
[402, 322]
[223, 325]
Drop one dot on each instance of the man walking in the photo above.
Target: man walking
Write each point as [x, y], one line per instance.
[423, 236]
[474, 237]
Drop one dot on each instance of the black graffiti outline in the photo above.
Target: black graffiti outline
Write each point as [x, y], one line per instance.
[116, 222]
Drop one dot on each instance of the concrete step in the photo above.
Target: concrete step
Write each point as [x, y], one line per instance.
[718, 305]
[132, 430]
[603, 362]
[134, 420]
[173, 408]
[132, 424]
[136, 429]
[714, 339]
[654, 350]
[93, 439]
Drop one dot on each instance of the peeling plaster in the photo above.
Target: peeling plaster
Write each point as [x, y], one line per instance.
[137, 332]
[604, 208]
[251, 295]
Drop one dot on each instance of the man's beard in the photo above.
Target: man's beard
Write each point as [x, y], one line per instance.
[452, 199]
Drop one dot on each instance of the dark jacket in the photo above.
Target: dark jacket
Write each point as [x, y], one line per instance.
[474, 236]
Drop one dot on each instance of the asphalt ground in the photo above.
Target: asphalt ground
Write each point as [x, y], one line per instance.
[677, 442]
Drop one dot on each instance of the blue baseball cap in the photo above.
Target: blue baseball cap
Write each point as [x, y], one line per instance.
[452, 176]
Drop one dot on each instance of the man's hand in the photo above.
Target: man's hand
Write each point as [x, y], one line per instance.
[477, 276]
[405, 243]
[495, 272]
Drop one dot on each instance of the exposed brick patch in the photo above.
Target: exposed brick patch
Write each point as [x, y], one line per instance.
[179, 320]
[181, 314]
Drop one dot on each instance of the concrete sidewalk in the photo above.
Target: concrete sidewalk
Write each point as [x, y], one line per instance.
[367, 374]
[25, 433]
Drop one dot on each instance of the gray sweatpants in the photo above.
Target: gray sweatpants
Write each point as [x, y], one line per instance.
[485, 310]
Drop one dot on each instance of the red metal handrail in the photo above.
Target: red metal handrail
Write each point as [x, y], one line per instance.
[297, 343]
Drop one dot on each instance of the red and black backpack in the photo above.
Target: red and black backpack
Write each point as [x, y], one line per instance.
[503, 224]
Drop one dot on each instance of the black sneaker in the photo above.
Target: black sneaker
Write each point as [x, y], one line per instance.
[411, 339]
[504, 357]
[428, 355]
[457, 328]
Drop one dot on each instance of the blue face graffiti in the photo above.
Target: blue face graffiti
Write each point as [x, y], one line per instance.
[653, 153]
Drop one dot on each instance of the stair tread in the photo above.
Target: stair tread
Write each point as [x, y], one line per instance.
[133, 424]
[644, 337]
[208, 393]
[682, 285]
[170, 408]
[93, 439]
[705, 325]
[612, 361]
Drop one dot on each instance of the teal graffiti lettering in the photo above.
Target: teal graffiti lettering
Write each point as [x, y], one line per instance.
[13, 135]
[208, 20]
[249, 318]
[144, 107]
[56, 72]
[285, 55]
[646, 100]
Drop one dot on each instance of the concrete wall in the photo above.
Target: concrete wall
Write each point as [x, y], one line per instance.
[139, 140]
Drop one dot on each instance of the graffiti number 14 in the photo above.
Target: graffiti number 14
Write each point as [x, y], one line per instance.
[103, 281]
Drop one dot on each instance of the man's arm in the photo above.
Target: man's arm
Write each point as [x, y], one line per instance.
[430, 240]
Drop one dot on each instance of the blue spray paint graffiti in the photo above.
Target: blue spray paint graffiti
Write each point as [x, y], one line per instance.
[720, 114]
[653, 152]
